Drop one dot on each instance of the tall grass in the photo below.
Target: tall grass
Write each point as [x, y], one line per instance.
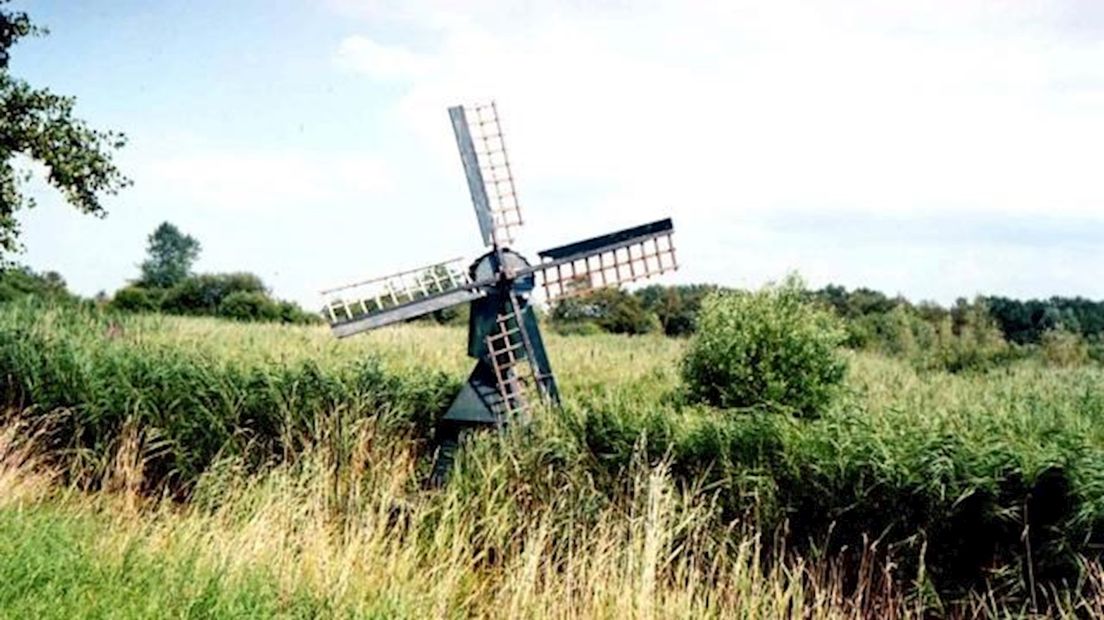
[334, 537]
[354, 536]
[962, 483]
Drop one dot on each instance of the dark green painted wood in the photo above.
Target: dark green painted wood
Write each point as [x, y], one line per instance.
[476, 186]
[615, 239]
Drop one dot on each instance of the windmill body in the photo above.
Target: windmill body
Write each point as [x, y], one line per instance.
[502, 334]
[512, 368]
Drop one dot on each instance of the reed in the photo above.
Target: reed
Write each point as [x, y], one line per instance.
[960, 483]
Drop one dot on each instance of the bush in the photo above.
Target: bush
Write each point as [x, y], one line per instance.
[1064, 348]
[771, 347]
[249, 306]
[290, 312]
[238, 296]
[18, 281]
[203, 294]
[968, 340]
[136, 298]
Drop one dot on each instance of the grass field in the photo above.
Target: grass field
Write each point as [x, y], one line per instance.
[194, 467]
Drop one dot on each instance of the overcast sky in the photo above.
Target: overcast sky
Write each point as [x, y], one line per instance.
[936, 149]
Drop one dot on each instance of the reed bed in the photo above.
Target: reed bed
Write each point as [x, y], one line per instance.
[303, 456]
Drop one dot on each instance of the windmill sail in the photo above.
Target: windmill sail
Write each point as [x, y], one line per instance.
[361, 306]
[487, 167]
[608, 260]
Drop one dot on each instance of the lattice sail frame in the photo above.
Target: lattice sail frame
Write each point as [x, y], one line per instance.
[514, 375]
[629, 261]
[494, 167]
[360, 299]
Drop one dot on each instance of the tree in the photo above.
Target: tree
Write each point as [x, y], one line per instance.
[170, 257]
[40, 125]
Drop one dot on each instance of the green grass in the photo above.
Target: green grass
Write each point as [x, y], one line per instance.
[973, 481]
[54, 563]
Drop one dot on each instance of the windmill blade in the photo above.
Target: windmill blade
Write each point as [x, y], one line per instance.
[487, 167]
[361, 306]
[609, 260]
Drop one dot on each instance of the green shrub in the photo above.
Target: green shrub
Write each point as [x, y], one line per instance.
[967, 340]
[136, 298]
[18, 281]
[249, 306]
[290, 312]
[1064, 348]
[768, 348]
[204, 293]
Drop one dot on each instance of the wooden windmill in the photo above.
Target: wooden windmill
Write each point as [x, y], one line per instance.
[512, 369]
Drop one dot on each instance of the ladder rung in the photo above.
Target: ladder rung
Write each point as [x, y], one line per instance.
[505, 350]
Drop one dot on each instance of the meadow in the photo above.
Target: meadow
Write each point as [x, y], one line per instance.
[197, 467]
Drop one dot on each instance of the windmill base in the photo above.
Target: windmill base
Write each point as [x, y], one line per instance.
[474, 407]
[478, 399]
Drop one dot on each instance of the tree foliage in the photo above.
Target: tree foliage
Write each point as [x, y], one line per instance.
[249, 306]
[40, 125]
[1027, 321]
[203, 294]
[167, 285]
[676, 307]
[169, 257]
[240, 296]
[19, 281]
[136, 298]
[610, 309]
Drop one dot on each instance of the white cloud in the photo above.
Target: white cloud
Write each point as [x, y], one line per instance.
[909, 107]
[363, 55]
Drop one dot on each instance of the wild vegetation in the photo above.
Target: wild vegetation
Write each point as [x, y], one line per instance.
[40, 125]
[155, 461]
[167, 284]
[966, 336]
[911, 489]
[766, 348]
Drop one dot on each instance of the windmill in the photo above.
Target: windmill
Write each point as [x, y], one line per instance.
[512, 370]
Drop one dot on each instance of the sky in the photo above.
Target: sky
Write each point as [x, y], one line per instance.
[935, 149]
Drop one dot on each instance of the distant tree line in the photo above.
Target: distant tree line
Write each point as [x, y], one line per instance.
[671, 310]
[1026, 322]
[166, 284]
[966, 335]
